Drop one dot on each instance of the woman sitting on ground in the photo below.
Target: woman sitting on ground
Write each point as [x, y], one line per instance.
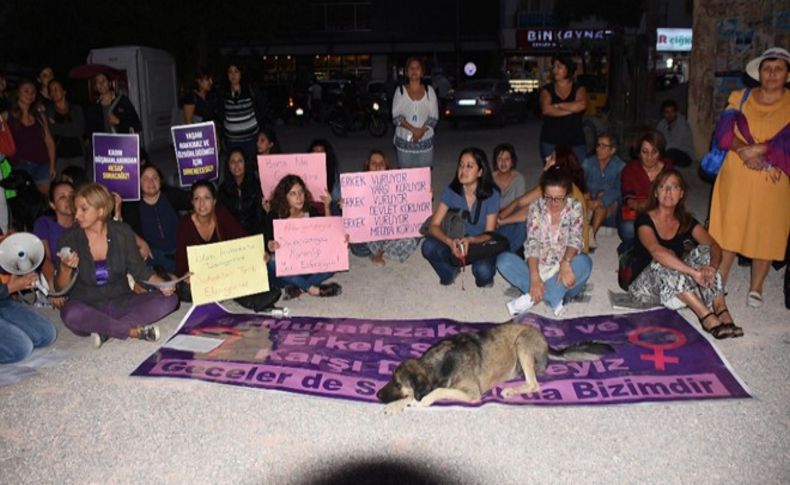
[321, 145]
[240, 193]
[22, 329]
[661, 272]
[101, 302]
[50, 228]
[292, 200]
[602, 176]
[155, 217]
[398, 249]
[510, 221]
[555, 269]
[267, 143]
[509, 180]
[473, 192]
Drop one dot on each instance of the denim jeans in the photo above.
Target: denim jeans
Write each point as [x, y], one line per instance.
[21, 330]
[415, 159]
[516, 272]
[438, 254]
[627, 233]
[547, 148]
[302, 281]
[515, 234]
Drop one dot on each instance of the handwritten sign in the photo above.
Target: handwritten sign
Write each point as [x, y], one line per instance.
[116, 163]
[227, 269]
[196, 152]
[388, 204]
[310, 245]
[310, 166]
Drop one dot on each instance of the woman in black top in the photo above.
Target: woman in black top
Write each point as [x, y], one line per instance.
[200, 105]
[67, 125]
[562, 103]
[665, 231]
[240, 193]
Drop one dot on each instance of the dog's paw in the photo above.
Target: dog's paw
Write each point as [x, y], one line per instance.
[530, 388]
[395, 407]
[509, 393]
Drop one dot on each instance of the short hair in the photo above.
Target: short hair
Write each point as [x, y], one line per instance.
[669, 103]
[366, 165]
[504, 147]
[205, 184]
[566, 61]
[98, 197]
[54, 187]
[609, 136]
[145, 166]
[655, 138]
[202, 73]
[556, 177]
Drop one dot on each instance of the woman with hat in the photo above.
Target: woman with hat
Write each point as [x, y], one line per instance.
[749, 208]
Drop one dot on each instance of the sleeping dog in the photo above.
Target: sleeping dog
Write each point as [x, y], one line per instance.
[466, 366]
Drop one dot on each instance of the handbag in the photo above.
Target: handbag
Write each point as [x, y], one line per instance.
[7, 145]
[454, 223]
[485, 250]
[713, 160]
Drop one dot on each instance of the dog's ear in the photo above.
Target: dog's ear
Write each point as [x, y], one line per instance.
[419, 383]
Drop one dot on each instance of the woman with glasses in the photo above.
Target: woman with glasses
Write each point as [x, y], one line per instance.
[554, 268]
[665, 231]
[473, 192]
[602, 176]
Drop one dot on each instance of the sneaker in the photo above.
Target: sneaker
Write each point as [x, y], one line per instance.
[98, 339]
[330, 289]
[559, 310]
[520, 304]
[593, 243]
[754, 299]
[149, 333]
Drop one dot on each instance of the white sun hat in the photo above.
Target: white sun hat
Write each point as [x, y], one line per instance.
[753, 67]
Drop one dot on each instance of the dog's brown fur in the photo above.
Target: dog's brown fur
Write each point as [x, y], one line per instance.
[466, 366]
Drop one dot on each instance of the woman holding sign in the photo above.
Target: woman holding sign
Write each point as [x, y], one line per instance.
[240, 193]
[473, 195]
[291, 199]
[100, 302]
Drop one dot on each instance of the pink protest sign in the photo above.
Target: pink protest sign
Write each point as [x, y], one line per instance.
[390, 204]
[310, 166]
[310, 245]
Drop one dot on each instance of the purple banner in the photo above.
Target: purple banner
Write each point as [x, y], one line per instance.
[116, 163]
[659, 356]
[196, 152]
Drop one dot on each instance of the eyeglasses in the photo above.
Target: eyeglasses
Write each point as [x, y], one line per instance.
[549, 198]
[603, 145]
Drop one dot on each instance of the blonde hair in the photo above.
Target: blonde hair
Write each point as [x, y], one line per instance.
[98, 197]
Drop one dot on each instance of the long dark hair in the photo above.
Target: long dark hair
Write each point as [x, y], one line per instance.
[485, 184]
[681, 214]
[566, 159]
[331, 161]
[279, 203]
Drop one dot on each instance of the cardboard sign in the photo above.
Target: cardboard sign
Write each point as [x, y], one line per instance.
[227, 269]
[310, 245]
[310, 166]
[388, 204]
[196, 152]
[116, 163]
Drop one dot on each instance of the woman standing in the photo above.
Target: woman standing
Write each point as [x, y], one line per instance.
[415, 113]
[67, 123]
[101, 302]
[661, 271]
[35, 148]
[241, 194]
[562, 103]
[239, 117]
[555, 269]
[472, 192]
[118, 113]
[749, 209]
[199, 105]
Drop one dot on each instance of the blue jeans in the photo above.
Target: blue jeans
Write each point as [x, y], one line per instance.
[21, 330]
[39, 171]
[627, 233]
[415, 159]
[516, 272]
[438, 254]
[515, 234]
[302, 281]
[165, 259]
[547, 148]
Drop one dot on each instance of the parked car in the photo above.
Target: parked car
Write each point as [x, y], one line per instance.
[486, 99]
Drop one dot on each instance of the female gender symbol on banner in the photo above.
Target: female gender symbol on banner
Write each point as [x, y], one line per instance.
[658, 357]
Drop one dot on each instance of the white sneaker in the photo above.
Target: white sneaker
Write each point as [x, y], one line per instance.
[98, 339]
[520, 304]
[559, 310]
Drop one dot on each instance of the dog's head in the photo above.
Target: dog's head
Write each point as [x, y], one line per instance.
[18, 180]
[410, 379]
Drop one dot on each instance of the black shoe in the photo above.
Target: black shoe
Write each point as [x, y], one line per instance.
[290, 292]
[330, 289]
[744, 261]
[149, 333]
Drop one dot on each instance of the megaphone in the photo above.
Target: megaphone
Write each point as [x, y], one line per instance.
[21, 253]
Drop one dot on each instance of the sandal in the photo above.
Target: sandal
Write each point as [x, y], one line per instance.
[735, 330]
[754, 299]
[330, 289]
[719, 332]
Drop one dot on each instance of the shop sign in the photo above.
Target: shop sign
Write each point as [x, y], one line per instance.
[673, 40]
[553, 38]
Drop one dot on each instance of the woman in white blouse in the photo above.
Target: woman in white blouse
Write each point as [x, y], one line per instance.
[415, 113]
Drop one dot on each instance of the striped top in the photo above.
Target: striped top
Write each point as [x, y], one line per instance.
[239, 119]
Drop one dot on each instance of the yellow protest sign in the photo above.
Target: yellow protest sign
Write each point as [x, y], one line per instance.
[227, 269]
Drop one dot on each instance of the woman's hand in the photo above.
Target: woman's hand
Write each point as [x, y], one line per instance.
[273, 246]
[565, 275]
[699, 278]
[22, 282]
[145, 250]
[53, 172]
[550, 161]
[57, 302]
[459, 247]
[536, 289]
[117, 203]
[752, 155]
[418, 133]
[71, 261]
[708, 276]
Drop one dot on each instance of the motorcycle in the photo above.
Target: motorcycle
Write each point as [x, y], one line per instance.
[368, 115]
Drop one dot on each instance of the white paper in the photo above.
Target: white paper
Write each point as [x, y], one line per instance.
[193, 343]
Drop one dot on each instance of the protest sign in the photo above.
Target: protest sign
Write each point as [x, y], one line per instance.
[196, 152]
[227, 269]
[310, 166]
[116, 163]
[388, 204]
[310, 245]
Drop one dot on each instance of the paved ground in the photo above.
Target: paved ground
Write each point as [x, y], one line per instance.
[86, 421]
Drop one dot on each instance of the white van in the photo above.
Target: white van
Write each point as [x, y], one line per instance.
[151, 87]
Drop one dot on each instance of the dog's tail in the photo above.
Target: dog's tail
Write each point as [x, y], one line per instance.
[581, 351]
